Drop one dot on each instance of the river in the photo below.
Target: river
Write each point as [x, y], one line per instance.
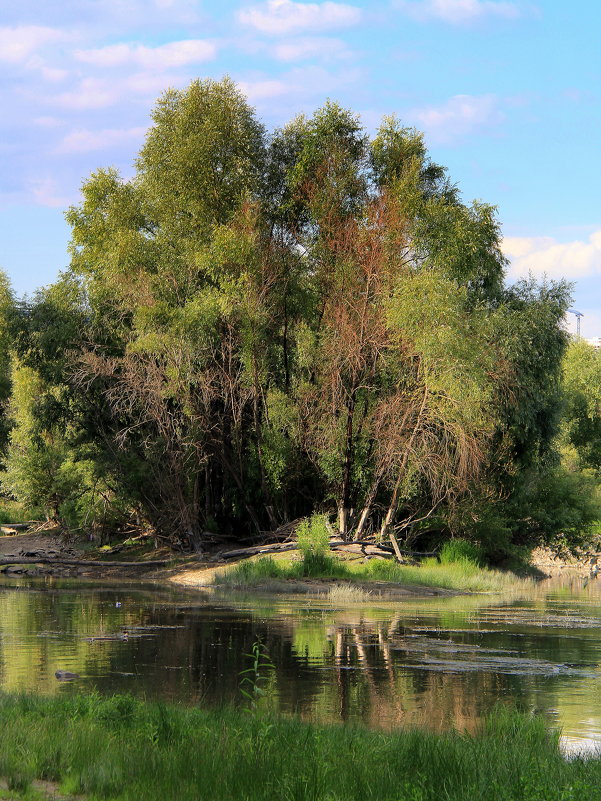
[434, 663]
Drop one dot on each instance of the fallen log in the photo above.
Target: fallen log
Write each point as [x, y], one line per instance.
[46, 560]
[257, 549]
[416, 554]
[8, 528]
[254, 550]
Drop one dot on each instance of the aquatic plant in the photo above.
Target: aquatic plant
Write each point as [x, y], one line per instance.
[253, 678]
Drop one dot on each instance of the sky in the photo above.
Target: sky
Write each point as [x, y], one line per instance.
[507, 93]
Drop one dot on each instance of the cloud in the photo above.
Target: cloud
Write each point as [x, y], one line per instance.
[311, 47]
[459, 117]
[45, 193]
[47, 122]
[91, 93]
[280, 17]
[546, 256]
[18, 44]
[83, 141]
[173, 54]
[310, 82]
[457, 12]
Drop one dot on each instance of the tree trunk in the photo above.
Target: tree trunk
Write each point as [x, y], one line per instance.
[397, 486]
[345, 494]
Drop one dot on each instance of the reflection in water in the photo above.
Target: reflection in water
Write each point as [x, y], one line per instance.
[435, 663]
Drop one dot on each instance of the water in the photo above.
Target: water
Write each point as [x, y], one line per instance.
[436, 663]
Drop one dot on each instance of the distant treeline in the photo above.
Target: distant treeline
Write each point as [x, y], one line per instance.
[256, 327]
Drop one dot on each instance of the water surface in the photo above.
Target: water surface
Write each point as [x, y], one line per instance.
[436, 663]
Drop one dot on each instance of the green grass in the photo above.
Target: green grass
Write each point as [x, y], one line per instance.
[462, 575]
[15, 512]
[124, 749]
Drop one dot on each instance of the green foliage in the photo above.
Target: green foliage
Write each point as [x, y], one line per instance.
[185, 753]
[313, 539]
[257, 326]
[556, 507]
[459, 550]
[313, 536]
[460, 574]
[253, 678]
[581, 430]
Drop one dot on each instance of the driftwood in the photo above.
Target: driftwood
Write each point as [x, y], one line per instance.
[389, 549]
[46, 560]
[334, 543]
[256, 549]
[8, 528]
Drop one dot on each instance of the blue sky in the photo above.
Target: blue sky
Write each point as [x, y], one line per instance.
[508, 93]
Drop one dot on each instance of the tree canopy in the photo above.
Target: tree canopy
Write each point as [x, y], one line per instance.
[259, 326]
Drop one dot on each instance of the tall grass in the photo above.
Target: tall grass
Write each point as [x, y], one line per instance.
[124, 749]
[462, 575]
[254, 572]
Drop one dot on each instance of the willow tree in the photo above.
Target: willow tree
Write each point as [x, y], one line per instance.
[370, 219]
[274, 324]
[162, 257]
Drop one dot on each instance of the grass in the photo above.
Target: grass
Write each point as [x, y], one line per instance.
[15, 512]
[462, 574]
[124, 749]
[348, 593]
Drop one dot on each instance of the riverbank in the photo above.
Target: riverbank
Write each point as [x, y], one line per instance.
[124, 749]
[353, 578]
[348, 576]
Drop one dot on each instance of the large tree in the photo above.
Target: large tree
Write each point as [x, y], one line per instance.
[259, 326]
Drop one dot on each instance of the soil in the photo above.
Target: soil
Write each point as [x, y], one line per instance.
[550, 564]
[51, 544]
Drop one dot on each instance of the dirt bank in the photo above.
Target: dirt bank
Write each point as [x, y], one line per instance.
[550, 564]
[55, 552]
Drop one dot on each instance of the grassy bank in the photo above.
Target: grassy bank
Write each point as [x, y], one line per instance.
[120, 748]
[460, 574]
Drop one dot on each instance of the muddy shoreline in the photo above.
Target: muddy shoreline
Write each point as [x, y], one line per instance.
[192, 574]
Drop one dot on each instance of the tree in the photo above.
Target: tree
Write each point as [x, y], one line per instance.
[254, 328]
[581, 435]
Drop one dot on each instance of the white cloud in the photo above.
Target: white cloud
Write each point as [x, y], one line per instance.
[83, 141]
[263, 89]
[458, 11]
[298, 84]
[278, 17]
[91, 93]
[45, 193]
[19, 43]
[53, 74]
[459, 117]
[311, 47]
[173, 54]
[151, 84]
[546, 256]
[47, 122]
